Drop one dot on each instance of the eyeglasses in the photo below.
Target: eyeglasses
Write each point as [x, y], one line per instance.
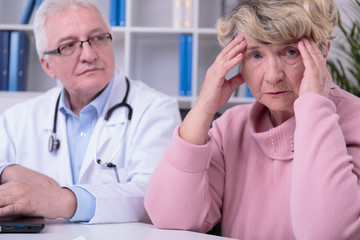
[69, 48]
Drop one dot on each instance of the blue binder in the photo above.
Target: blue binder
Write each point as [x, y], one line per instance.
[29, 7]
[122, 8]
[185, 64]
[18, 61]
[189, 48]
[114, 17]
[38, 3]
[182, 65]
[13, 60]
[248, 93]
[4, 60]
[23, 59]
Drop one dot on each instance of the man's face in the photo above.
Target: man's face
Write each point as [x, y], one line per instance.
[88, 70]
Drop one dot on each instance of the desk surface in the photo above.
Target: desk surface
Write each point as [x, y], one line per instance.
[55, 230]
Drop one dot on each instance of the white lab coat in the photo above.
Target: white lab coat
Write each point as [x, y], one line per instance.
[25, 130]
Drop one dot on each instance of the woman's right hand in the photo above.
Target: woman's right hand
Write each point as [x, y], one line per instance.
[216, 89]
[215, 92]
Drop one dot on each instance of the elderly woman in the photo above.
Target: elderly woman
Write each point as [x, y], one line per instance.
[284, 167]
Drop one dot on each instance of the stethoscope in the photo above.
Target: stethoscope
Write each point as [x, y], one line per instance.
[54, 143]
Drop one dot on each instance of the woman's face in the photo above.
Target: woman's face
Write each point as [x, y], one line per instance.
[273, 73]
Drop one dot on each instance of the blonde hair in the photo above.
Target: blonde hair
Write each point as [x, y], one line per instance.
[276, 21]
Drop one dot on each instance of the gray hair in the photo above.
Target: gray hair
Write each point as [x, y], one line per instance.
[274, 21]
[56, 7]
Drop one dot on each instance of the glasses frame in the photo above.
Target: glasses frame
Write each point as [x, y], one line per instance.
[58, 51]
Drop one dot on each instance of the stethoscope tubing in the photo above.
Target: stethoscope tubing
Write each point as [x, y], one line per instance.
[54, 143]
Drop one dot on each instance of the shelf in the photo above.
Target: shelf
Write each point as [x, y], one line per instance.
[146, 48]
[166, 30]
[9, 99]
[116, 30]
[17, 27]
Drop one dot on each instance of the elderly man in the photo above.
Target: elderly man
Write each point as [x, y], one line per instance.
[84, 151]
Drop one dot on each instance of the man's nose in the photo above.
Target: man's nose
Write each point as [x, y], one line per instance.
[88, 53]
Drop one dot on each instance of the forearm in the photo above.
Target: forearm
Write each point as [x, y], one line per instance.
[195, 127]
[325, 191]
[183, 200]
[215, 92]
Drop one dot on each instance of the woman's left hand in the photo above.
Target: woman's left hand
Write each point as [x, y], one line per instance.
[316, 77]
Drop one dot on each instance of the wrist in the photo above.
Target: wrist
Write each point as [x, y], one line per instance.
[195, 126]
[5, 172]
[69, 203]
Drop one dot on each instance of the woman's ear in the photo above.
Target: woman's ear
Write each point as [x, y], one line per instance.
[328, 49]
[46, 66]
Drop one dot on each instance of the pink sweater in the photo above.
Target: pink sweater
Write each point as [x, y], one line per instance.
[299, 180]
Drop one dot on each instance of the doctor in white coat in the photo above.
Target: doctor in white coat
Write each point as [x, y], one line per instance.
[59, 156]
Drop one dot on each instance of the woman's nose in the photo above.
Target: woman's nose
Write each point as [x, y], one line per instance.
[274, 71]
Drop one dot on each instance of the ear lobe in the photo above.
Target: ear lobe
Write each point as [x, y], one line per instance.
[46, 66]
[328, 49]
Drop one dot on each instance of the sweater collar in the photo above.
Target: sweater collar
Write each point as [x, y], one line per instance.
[276, 142]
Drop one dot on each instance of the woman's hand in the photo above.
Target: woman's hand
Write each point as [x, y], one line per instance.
[317, 77]
[216, 89]
[215, 92]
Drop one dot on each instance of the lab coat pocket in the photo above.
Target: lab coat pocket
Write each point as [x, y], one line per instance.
[109, 175]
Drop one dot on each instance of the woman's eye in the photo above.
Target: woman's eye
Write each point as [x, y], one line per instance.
[291, 52]
[256, 55]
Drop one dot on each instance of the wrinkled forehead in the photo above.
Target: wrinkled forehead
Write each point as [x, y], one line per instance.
[73, 24]
[250, 40]
[75, 21]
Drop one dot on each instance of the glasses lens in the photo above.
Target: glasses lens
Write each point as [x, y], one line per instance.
[68, 48]
[95, 41]
[100, 40]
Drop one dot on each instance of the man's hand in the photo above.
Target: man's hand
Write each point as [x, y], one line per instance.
[27, 192]
[21, 174]
[35, 200]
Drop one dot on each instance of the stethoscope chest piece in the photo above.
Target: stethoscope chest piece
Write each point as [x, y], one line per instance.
[54, 143]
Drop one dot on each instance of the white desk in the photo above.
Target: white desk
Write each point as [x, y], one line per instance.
[121, 231]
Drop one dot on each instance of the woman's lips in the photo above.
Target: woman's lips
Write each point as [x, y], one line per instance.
[276, 94]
